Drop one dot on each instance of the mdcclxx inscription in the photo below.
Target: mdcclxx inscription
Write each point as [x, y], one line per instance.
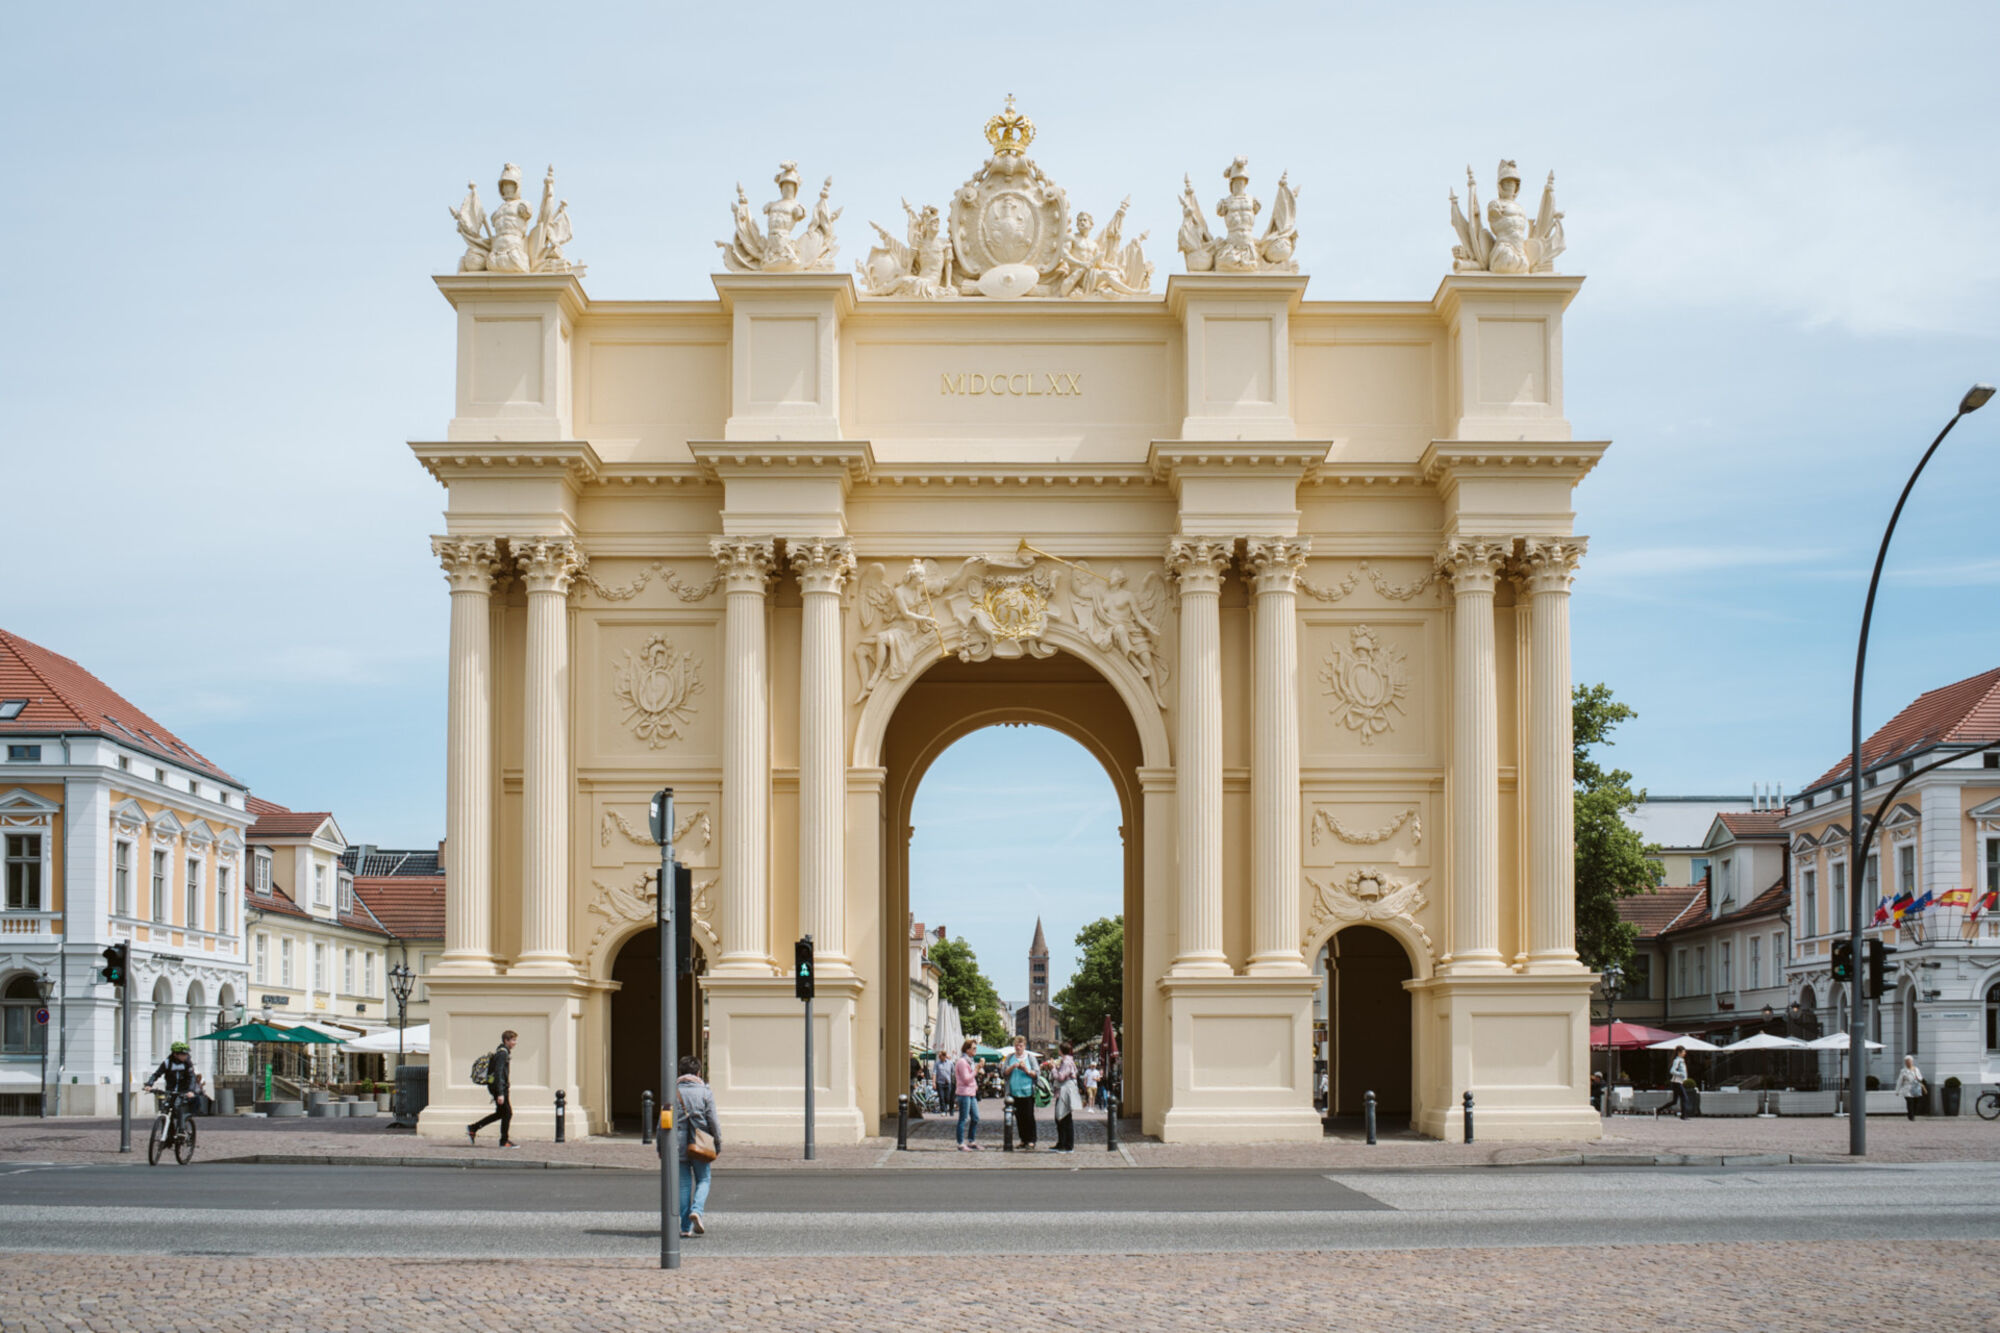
[1020, 384]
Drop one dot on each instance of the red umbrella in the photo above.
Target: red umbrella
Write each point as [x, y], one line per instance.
[1110, 1039]
[1627, 1036]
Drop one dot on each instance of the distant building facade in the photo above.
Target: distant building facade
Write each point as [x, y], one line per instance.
[114, 829]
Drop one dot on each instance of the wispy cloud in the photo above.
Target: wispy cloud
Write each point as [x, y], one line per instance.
[1673, 562]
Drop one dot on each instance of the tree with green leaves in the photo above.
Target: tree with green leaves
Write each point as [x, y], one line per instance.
[965, 987]
[1612, 861]
[1096, 989]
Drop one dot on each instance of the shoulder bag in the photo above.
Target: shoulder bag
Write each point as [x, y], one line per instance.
[701, 1143]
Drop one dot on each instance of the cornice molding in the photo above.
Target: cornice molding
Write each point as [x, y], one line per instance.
[1447, 461]
[1172, 460]
[463, 289]
[851, 460]
[572, 460]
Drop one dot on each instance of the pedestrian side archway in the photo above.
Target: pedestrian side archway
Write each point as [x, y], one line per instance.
[1370, 1038]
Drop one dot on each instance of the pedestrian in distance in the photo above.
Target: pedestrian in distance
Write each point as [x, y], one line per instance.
[965, 1089]
[695, 1118]
[500, 1086]
[1066, 1101]
[947, 1086]
[1091, 1078]
[1677, 1077]
[1019, 1070]
[1910, 1086]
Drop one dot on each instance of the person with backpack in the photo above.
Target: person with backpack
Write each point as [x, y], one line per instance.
[499, 1087]
[700, 1136]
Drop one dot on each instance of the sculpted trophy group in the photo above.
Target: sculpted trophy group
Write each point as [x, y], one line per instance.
[1008, 232]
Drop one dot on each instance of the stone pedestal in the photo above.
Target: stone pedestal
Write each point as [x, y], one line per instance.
[756, 1042]
[469, 1014]
[1520, 1044]
[1241, 1056]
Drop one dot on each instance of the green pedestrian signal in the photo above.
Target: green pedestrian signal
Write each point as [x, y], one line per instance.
[1843, 960]
[116, 958]
[802, 969]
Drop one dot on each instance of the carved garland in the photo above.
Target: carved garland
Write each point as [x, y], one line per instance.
[1332, 824]
[1394, 592]
[1361, 895]
[613, 821]
[670, 579]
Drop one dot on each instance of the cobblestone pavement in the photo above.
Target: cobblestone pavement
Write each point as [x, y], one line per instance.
[1890, 1139]
[1903, 1285]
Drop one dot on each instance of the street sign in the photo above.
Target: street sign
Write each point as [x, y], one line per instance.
[42, 1017]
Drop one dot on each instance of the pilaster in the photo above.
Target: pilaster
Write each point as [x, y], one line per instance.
[1546, 570]
[470, 564]
[1197, 564]
[1473, 567]
[823, 568]
[549, 567]
[1275, 868]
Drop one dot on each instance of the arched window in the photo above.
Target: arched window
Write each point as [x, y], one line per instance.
[1993, 1017]
[17, 1015]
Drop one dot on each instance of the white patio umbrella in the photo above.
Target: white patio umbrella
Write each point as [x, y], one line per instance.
[1691, 1043]
[1764, 1041]
[416, 1041]
[1837, 1041]
[950, 1033]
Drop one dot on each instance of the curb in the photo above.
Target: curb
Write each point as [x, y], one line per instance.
[467, 1164]
[1681, 1159]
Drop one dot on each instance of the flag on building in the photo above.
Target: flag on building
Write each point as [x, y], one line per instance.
[1881, 913]
[1923, 904]
[1955, 898]
[1900, 906]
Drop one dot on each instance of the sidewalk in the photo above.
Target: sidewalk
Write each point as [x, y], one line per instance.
[1628, 1140]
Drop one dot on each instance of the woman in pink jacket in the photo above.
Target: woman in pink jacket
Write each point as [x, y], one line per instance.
[965, 1081]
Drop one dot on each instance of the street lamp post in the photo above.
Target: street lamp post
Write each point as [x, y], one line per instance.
[1613, 982]
[1857, 1081]
[45, 986]
[400, 978]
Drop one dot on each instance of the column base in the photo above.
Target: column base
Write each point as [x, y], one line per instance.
[1519, 1043]
[757, 1058]
[1238, 1049]
[1556, 964]
[543, 965]
[468, 1014]
[465, 965]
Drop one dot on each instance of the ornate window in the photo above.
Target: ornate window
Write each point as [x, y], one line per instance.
[194, 894]
[1993, 1018]
[347, 971]
[1906, 869]
[1837, 900]
[368, 974]
[159, 884]
[285, 962]
[1725, 967]
[1809, 896]
[319, 886]
[1756, 962]
[24, 872]
[17, 1015]
[222, 904]
[121, 878]
[262, 953]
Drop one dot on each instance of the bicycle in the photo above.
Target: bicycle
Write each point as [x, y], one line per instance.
[171, 1128]
[923, 1097]
[1988, 1106]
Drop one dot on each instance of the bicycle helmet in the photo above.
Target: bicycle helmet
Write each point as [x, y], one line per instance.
[178, 1048]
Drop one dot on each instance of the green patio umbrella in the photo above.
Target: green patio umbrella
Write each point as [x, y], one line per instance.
[265, 1032]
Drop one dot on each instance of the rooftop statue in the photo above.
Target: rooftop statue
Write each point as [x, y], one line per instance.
[772, 248]
[1241, 250]
[505, 241]
[1008, 234]
[1509, 242]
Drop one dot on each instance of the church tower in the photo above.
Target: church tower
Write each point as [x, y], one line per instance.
[1041, 1026]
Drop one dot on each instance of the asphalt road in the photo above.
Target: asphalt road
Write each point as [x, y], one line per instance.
[440, 1213]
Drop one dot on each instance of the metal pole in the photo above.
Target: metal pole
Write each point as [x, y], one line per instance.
[1368, 1113]
[809, 1073]
[43, 1113]
[903, 1123]
[1857, 1032]
[1468, 1116]
[125, 1025]
[646, 1117]
[669, 1143]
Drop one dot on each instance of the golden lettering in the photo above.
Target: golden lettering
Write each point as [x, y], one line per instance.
[1017, 384]
[978, 383]
[951, 385]
[1010, 384]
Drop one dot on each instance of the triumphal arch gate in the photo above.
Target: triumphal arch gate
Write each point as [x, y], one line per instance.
[1295, 571]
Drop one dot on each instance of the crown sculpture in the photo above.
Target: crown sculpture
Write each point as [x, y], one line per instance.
[504, 241]
[772, 248]
[1509, 242]
[1008, 234]
[1241, 250]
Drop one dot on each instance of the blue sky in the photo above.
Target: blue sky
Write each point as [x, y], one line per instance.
[221, 220]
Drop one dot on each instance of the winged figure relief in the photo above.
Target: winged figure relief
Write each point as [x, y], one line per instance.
[896, 617]
[1116, 618]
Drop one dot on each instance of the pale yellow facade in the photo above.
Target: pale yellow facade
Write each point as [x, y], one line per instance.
[1337, 696]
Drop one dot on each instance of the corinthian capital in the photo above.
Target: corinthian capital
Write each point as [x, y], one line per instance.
[1197, 563]
[548, 564]
[469, 562]
[823, 564]
[1472, 563]
[745, 563]
[1276, 562]
[1548, 564]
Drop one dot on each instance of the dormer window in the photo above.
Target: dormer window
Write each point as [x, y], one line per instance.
[260, 875]
[346, 895]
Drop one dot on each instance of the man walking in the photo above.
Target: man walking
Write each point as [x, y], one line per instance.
[498, 1083]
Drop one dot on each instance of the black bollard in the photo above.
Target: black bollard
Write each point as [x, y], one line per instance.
[646, 1116]
[1006, 1124]
[1368, 1115]
[1110, 1123]
[903, 1123]
[1468, 1117]
[561, 1098]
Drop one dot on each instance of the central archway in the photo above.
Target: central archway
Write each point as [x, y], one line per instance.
[949, 700]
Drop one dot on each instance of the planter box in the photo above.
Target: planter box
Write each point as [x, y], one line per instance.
[385, 1101]
[282, 1110]
[1730, 1103]
[1886, 1103]
[364, 1109]
[1804, 1103]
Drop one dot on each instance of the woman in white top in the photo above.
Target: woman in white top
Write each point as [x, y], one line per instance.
[1677, 1077]
[1910, 1086]
[1066, 1099]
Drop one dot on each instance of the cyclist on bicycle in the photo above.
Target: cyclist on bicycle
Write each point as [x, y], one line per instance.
[177, 1074]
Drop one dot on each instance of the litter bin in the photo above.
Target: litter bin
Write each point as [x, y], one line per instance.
[1951, 1093]
[413, 1093]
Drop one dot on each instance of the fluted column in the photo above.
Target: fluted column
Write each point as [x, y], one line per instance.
[1548, 566]
[1472, 565]
[1197, 563]
[746, 564]
[1274, 758]
[824, 568]
[548, 566]
[469, 565]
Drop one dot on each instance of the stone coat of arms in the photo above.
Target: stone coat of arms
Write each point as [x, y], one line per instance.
[1367, 681]
[657, 685]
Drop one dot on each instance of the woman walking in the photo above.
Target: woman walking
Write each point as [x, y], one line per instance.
[1910, 1086]
[697, 1111]
[1066, 1099]
[1677, 1077]
[965, 1086]
[1019, 1067]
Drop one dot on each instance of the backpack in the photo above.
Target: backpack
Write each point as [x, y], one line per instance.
[482, 1070]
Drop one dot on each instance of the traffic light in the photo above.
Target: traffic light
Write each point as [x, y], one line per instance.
[1843, 960]
[684, 918]
[1878, 959]
[802, 969]
[116, 958]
